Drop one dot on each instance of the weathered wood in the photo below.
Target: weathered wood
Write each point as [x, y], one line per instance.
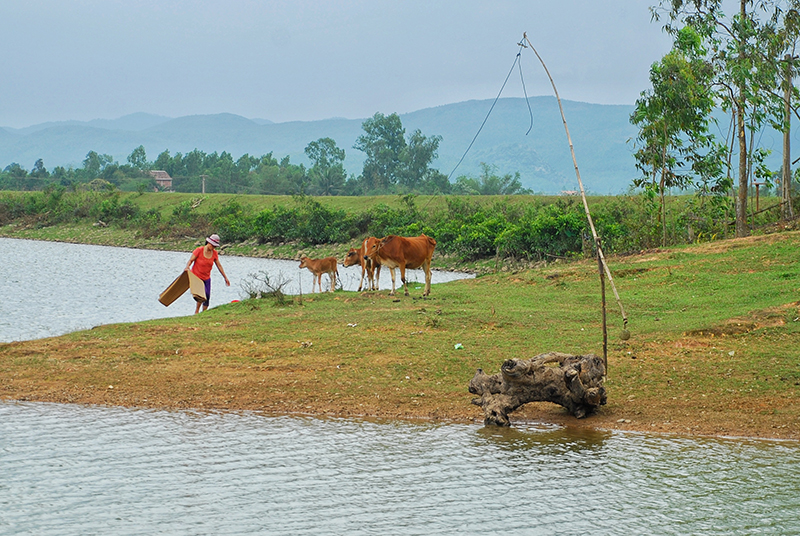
[576, 384]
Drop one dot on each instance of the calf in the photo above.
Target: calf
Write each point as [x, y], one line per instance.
[401, 252]
[318, 267]
[368, 266]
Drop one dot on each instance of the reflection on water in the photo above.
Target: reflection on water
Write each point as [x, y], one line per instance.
[52, 288]
[86, 470]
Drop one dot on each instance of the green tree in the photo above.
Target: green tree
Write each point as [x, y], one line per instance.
[163, 161]
[138, 159]
[327, 172]
[416, 158]
[39, 170]
[392, 160]
[489, 183]
[744, 51]
[16, 171]
[383, 142]
[673, 118]
[95, 163]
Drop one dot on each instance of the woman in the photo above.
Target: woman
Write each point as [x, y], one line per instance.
[204, 259]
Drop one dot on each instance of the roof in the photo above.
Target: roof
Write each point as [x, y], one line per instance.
[160, 175]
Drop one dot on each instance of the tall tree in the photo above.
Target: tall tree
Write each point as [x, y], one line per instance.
[95, 163]
[744, 51]
[392, 160]
[673, 119]
[327, 172]
[416, 158]
[39, 170]
[138, 159]
[383, 142]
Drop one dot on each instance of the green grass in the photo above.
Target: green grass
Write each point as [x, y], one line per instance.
[715, 328]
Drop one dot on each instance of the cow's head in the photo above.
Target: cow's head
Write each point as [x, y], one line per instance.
[303, 262]
[371, 246]
[353, 257]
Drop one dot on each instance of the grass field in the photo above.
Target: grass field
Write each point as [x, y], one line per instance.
[714, 346]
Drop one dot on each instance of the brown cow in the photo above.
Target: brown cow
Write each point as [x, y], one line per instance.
[318, 267]
[368, 266]
[401, 252]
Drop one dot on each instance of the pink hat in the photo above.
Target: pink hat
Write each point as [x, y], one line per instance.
[213, 240]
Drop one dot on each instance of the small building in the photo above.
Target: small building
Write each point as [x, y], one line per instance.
[163, 179]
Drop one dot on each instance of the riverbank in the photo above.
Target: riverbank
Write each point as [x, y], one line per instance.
[713, 348]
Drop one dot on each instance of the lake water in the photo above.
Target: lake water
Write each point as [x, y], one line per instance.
[77, 470]
[84, 470]
[52, 288]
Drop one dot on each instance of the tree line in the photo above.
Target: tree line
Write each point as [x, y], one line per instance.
[395, 163]
[727, 76]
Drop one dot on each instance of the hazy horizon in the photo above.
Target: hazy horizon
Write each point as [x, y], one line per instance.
[308, 61]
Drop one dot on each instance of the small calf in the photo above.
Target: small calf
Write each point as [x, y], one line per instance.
[318, 267]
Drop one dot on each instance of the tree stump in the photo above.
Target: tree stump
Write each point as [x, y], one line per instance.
[576, 384]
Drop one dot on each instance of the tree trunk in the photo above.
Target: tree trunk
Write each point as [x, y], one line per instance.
[576, 384]
[741, 201]
[786, 183]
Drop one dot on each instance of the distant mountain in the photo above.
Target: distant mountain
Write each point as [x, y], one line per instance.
[133, 122]
[600, 135]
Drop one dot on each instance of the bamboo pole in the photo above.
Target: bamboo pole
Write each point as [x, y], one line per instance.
[601, 258]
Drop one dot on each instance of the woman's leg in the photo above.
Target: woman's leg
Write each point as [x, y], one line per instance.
[207, 284]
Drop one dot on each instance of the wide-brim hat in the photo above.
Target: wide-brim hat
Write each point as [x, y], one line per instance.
[213, 240]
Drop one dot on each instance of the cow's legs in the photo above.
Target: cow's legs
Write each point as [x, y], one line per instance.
[376, 270]
[333, 281]
[363, 269]
[427, 268]
[403, 278]
[391, 271]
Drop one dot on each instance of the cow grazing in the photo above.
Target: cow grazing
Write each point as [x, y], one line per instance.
[368, 266]
[318, 267]
[401, 252]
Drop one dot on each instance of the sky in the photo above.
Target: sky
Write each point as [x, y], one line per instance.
[304, 60]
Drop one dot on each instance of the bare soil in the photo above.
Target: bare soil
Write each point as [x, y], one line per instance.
[203, 380]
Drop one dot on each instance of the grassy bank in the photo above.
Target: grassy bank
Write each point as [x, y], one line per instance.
[715, 331]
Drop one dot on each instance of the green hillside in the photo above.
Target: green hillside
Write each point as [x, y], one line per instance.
[542, 158]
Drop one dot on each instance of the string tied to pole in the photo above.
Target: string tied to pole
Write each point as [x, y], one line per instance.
[604, 270]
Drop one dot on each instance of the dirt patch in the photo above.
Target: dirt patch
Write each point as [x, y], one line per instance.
[768, 318]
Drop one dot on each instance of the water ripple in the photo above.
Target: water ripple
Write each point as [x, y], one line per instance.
[85, 470]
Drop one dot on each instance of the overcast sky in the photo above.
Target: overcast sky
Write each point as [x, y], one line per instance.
[306, 60]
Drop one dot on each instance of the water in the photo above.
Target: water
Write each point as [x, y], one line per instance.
[123, 471]
[68, 469]
[52, 288]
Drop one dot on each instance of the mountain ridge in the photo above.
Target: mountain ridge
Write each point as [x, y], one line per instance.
[600, 135]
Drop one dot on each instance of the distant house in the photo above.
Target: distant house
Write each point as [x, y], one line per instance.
[163, 179]
[569, 192]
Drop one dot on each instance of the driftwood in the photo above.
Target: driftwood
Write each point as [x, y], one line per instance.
[576, 383]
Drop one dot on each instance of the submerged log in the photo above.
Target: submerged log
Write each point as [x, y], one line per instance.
[576, 384]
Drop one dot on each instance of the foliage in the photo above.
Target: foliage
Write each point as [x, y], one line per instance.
[745, 54]
[327, 172]
[394, 165]
[467, 228]
[488, 183]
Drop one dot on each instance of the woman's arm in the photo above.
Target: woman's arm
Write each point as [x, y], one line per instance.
[219, 266]
[191, 260]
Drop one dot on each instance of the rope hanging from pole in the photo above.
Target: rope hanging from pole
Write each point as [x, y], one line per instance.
[516, 59]
[601, 257]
